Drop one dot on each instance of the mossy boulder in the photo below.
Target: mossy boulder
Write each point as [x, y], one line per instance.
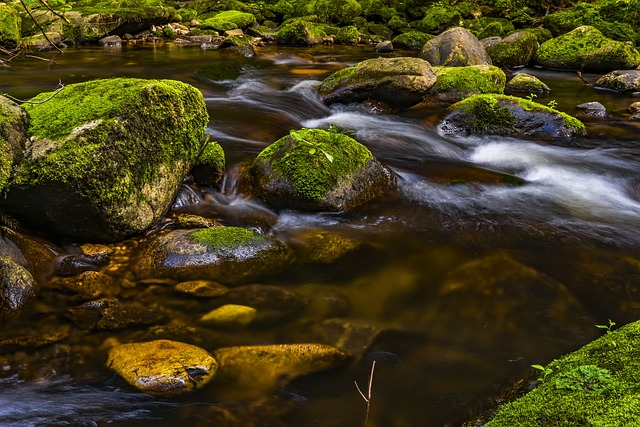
[455, 47]
[515, 50]
[585, 48]
[596, 385]
[106, 157]
[210, 165]
[616, 26]
[255, 370]
[9, 27]
[334, 11]
[229, 20]
[438, 19]
[399, 82]
[232, 316]
[17, 288]
[454, 84]
[229, 255]
[526, 84]
[299, 32]
[620, 81]
[318, 170]
[348, 35]
[14, 123]
[485, 26]
[163, 367]
[508, 116]
[411, 40]
[541, 33]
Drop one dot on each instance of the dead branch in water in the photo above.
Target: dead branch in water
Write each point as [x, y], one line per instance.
[20, 101]
[367, 398]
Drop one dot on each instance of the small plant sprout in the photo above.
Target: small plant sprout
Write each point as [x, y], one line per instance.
[552, 103]
[607, 327]
[545, 372]
[367, 398]
[531, 96]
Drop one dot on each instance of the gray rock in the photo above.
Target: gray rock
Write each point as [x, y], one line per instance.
[621, 81]
[455, 47]
[591, 109]
[384, 47]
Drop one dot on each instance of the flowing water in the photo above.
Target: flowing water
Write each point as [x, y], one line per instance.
[466, 282]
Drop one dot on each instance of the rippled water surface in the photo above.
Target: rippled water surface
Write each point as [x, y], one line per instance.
[466, 281]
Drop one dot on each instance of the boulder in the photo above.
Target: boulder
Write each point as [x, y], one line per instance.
[591, 110]
[9, 27]
[526, 83]
[515, 50]
[318, 170]
[335, 11]
[106, 157]
[585, 48]
[14, 123]
[454, 84]
[508, 116]
[455, 47]
[228, 20]
[163, 367]
[621, 81]
[17, 288]
[439, 18]
[485, 26]
[411, 40]
[224, 254]
[348, 35]
[255, 370]
[299, 32]
[400, 82]
[384, 47]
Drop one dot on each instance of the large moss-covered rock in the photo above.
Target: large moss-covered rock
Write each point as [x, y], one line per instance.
[17, 288]
[621, 81]
[515, 50]
[163, 367]
[526, 84]
[585, 48]
[225, 254]
[399, 82]
[348, 35]
[229, 20]
[106, 156]
[455, 47]
[508, 115]
[485, 26]
[411, 40]
[254, 370]
[616, 25]
[454, 84]
[318, 170]
[13, 135]
[299, 32]
[439, 18]
[9, 27]
[595, 385]
[336, 11]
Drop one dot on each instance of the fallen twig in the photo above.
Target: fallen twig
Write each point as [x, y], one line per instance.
[20, 101]
[367, 398]
[39, 26]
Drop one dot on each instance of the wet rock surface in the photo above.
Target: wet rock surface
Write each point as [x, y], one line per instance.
[456, 47]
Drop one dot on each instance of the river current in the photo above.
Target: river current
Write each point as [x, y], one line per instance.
[467, 282]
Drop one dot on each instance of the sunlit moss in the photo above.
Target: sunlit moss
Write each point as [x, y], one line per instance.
[226, 237]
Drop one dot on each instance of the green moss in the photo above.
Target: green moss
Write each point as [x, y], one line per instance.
[348, 35]
[220, 238]
[411, 40]
[336, 11]
[541, 33]
[488, 27]
[586, 48]
[475, 79]
[438, 18]
[380, 30]
[128, 10]
[598, 385]
[229, 20]
[527, 84]
[614, 25]
[299, 32]
[9, 27]
[515, 50]
[212, 155]
[337, 78]
[314, 160]
[397, 23]
[128, 123]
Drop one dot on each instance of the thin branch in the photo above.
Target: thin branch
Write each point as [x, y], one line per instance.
[58, 14]
[367, 398]
[39, 26]
[41, 58]
[20, 101]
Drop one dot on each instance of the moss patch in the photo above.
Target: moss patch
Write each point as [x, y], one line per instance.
[598, 385]
[438, 19]
[9, 27]
[229, 20]
[216, 238]
[300, 33]
[475, 79]
[314, 160]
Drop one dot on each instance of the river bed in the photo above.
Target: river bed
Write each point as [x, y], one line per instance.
[466, 284]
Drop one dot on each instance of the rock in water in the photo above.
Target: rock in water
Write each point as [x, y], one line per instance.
[163, 367]
[106, 157]
[456, 47]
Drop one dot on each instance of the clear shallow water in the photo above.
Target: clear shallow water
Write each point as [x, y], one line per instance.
[466, 284]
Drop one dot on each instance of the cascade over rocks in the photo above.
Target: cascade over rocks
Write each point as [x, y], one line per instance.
[105, 157]
[318, 170]
[399, 82]
[455, 47]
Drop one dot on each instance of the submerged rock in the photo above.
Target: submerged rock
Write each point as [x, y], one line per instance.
[621, 81]
[87, 285]
[455, 47]
[318, 170]
[454, 84]
[508, 115]
[112, 314]
[225, 254]
[399, 82]
[585, 48]
[163, 367]
[230, 316]
[202, 288]
[255, 370]
[17, 288]
[106, 157]
[526, 83]
[273, 304]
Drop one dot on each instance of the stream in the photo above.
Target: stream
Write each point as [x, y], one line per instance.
[466, 284]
